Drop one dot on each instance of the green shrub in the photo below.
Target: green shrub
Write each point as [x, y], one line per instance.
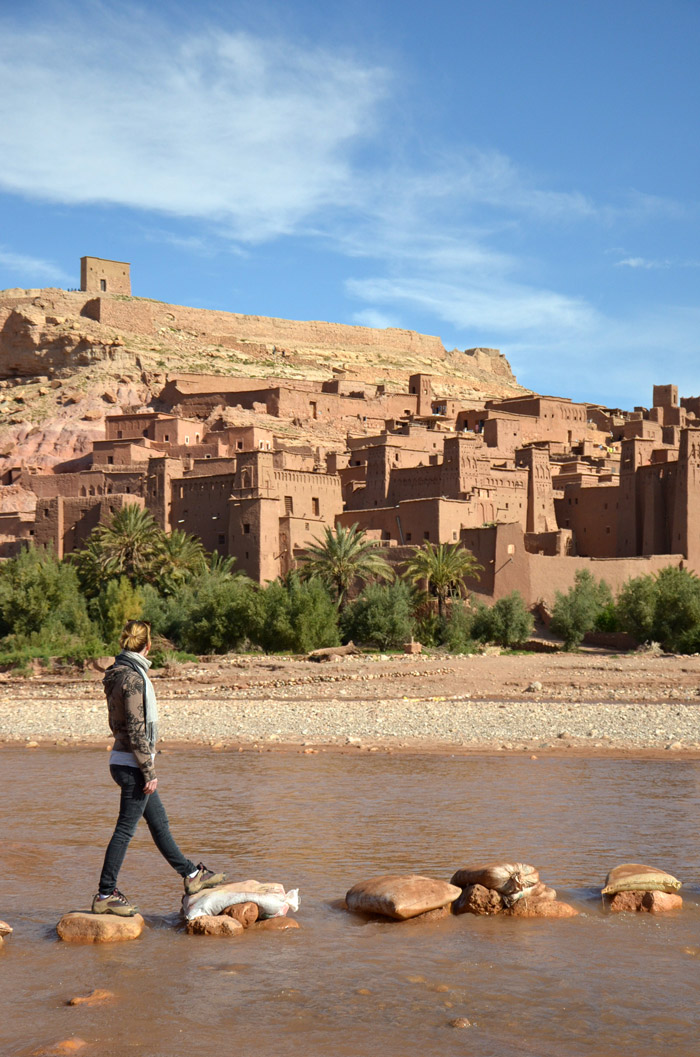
[382, 616]
[117, 602]
[38, 592]
[298, 616]
[506, 623]
[457, 633]
[664, 608]
[214, 614]
[577, 611]
[511, 623]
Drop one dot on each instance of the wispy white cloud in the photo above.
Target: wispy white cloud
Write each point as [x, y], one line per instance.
[33, 269]
[650, 264]
[504, 307]
[371, 317]
[253, 133]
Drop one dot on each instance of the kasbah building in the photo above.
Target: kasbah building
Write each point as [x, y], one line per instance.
[537, 487]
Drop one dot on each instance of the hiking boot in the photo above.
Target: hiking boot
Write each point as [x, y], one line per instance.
[203, 879]
[117, 903]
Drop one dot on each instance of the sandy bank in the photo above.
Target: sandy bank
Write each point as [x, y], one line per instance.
[592, 702]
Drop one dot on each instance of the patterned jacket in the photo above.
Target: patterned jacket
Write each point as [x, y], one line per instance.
[126, 703]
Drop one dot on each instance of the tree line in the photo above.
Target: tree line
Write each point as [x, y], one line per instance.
[198, 603]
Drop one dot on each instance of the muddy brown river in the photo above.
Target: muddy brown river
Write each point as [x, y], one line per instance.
[594, 985]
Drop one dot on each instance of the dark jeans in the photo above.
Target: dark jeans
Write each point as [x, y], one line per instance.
[134, 805]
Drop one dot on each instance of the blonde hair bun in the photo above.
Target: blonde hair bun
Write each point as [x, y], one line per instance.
[136, 635]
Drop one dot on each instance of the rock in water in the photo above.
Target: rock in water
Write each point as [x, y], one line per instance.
[245, 913]
[541, 908]
[214, 925]
[93, 998]
[276, 924]
[475, 899]
[400, 896]
[644, 902]
[81, 926]
[58, 1049]
[5, 929]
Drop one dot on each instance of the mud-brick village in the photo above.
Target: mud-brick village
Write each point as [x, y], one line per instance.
[255, 434]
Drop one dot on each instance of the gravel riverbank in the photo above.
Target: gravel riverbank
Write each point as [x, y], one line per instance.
[592, 702]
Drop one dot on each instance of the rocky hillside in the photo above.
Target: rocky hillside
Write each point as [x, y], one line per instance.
[68, 358]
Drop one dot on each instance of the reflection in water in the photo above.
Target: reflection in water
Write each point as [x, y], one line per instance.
[594, 985]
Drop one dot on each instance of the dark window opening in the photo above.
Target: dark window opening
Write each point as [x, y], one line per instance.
[246, 529]
[103, 284]
[316, 507]
[222, 540]
[288, 504]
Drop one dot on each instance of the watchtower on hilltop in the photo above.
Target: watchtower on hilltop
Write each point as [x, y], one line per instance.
[98, 276]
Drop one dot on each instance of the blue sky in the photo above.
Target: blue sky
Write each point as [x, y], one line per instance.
[519, 174]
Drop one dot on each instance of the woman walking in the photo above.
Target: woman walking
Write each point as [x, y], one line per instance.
[133, 719]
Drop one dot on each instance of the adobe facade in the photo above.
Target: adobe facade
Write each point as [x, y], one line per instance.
[537, 486]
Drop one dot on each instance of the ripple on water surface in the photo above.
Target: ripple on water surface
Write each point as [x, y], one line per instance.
[594, 985]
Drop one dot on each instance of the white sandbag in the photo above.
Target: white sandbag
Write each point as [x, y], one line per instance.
[271, 898]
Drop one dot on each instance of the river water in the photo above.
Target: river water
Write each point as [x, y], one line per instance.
[594, 985]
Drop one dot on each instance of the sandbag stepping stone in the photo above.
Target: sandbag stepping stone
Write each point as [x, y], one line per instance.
[5, 930]
[541, 908]
[81, 926]
[400, 896]
[634, 877]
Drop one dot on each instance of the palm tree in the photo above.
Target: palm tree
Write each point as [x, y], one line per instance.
[131, 545]
[183, 556]
[444, 566]
[343, 556]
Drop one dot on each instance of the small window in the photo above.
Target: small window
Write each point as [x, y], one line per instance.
[426, 535]
[120, 434]
[103, 284]
[288, 504]
[110, 460]
[454, 535]
[187, 440]
[166, 437]
[46, 513]
[222, 540]
[246, 529]
[316, 507]
[239, 445]
[408, 537]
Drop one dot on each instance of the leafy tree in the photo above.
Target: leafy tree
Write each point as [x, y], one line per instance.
[213, 614]
[458, 634]
[664, 608]
[299, 616]
[577, 611]
[507, 622]
[42, 612]
[117, 602]
[382, 616]
[341, 557]
[444, 567]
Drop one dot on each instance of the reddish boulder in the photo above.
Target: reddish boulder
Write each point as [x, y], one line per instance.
[475, 899]
[644, 902]
[541, 908]
[276, 924]
[245, 913]
[211, 925]
[83, 927]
